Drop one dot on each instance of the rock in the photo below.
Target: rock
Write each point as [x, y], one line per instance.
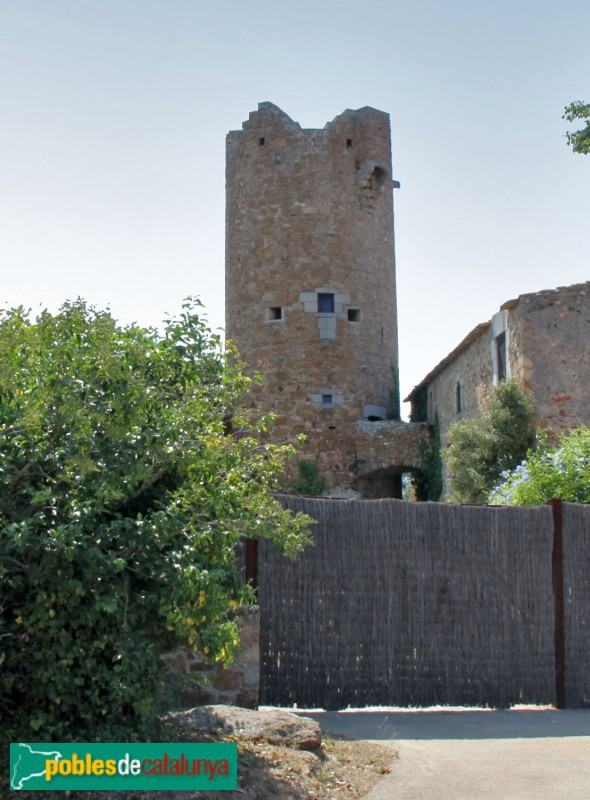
[267, 725]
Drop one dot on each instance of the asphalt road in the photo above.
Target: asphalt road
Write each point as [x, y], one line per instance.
[472, 755]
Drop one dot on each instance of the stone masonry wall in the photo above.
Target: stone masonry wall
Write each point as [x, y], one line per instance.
[472, 369]
[238, 684]
[554, 329]
[548, 352]
[310, 275]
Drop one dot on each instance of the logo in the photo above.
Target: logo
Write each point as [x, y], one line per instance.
[116, 766]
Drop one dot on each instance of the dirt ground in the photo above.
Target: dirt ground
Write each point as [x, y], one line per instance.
[340, 769]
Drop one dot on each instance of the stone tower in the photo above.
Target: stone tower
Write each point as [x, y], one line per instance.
[310, 287]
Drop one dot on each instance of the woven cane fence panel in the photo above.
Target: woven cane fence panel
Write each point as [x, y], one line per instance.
[409, 604]
[576, 573]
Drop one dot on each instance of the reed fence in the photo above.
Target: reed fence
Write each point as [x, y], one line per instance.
[419, 604]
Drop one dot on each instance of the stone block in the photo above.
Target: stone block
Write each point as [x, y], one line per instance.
[226, 680]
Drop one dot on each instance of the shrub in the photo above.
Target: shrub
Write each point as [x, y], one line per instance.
[561, 471]
[480, 449]
[310, 481]
[122, 497]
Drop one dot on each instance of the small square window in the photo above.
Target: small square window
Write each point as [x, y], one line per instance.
[261, 141]
[327, 399]
[349, 143]
[325, 303]
[276, 312]
[354, 315]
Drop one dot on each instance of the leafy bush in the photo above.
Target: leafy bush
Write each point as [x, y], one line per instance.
[480, 449]
[560, 471]
[310, 481]
[123, 492]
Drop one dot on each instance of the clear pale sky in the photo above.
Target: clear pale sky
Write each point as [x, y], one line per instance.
[112, 145]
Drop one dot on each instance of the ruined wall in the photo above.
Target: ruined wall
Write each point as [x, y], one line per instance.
[310, 275]
[554, 353]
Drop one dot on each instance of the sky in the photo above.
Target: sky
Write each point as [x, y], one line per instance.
[112, 146]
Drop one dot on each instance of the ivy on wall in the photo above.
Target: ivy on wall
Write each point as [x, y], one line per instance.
[394, 410]
[310, 481]
[428, 479]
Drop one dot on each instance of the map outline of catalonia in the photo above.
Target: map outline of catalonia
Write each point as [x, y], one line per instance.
[55, 755]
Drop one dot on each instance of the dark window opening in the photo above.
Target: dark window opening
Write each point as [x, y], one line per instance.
[374, 418]
[326, 399]
[354, 315]
[275, 313]
[349, 143]
[331, 427]
[458, 398]
[325, 303]
[379, 176]
[261, 141]
[501, 355]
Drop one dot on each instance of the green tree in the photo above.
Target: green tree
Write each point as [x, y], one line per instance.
[129, 472]
[562, 470]
[579, 140]
[480, 449]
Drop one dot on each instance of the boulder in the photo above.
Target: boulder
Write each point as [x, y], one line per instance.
[263, 725]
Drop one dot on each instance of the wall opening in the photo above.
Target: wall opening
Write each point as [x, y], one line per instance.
[385, 482]
[349, 143]
[327, 399]
[458, 398]
[325, 303]
[354, 315]
[430, 408]
[501, 356]
[275, 312]
[261, 141]
[378, 177]
[373, 413]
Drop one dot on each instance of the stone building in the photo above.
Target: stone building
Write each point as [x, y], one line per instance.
[310, 290]
[542, 339]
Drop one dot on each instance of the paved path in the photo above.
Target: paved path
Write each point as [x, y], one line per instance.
[473, 755]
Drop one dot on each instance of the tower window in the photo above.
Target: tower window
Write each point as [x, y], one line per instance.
[276, 312]
[458, 398]
[326, 399]
[325, 303]
[261, 141]
[349, 143]
[354, 315]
